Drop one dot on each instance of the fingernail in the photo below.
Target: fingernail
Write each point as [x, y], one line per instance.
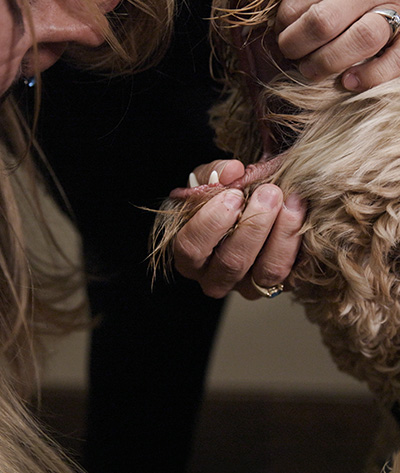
[213, 179]
[351, 81]
[293, 203]
[233, 199]
[193, 182]
[268, 196]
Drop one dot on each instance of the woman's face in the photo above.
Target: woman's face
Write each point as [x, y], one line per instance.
[56, 23]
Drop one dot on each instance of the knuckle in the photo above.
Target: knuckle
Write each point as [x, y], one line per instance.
[327, 63]
[376, 76]
[185, 252]
[395, 56]
[231, 265]
[212, 218]
[216, 217]
[322, 21]
[288, 13]
[368, 39]
[382, 72]
[393, 68]
[256, 231]
[275, 273]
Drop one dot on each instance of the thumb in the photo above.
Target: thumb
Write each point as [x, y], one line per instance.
[227, 170]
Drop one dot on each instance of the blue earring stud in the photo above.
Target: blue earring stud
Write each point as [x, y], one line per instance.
[30, 81]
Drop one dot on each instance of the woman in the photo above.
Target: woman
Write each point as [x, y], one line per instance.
[35, 275]
[42, 281]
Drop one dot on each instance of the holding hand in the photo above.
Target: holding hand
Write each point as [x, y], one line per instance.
[332, 36]
[263, 246]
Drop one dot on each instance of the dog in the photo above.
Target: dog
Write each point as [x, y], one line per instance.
[340, 152]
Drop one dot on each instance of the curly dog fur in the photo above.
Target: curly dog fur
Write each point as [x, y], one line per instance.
[340, 152]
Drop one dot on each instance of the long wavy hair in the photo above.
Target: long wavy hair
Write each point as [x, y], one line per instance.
[340, 152]
[42, 281]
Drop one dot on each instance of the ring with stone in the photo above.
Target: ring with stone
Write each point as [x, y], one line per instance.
[269, 292]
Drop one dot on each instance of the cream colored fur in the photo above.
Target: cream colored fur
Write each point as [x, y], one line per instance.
[345, 163]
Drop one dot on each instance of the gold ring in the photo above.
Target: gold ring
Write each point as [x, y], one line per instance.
[393, 19]
[269, 292]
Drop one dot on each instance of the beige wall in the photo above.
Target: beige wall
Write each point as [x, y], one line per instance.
[66, 366]
[269, 345]
[262, 345]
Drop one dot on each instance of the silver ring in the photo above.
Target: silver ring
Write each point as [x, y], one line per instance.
[393, 19]
[269, 292]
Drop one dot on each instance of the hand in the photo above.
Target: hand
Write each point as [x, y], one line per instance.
[264, 244]
[331, 36]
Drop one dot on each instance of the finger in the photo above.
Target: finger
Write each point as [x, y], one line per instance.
[374, 72]
[320, 24]
[228, 170]
[289, 11]
[276, 259]
[364, 39]
[236, 254]
[196, 241]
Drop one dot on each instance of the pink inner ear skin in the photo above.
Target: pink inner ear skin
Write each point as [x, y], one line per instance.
[253, 173]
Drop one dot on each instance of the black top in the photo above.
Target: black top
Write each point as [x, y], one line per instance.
[118, 144]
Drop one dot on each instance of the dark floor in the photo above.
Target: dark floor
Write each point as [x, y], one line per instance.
[63, 412]
[250, 434]
[256, 434]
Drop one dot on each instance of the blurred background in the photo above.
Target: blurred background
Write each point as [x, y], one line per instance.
[262, 346]
[274, 398]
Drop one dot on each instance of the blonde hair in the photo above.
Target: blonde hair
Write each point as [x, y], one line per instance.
[42, 289]
[338, 151]
[137, 34]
